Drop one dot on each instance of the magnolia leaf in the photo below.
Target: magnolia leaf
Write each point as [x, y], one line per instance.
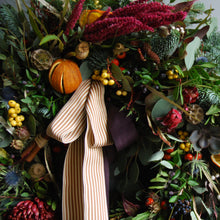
[166, 164]
[126, 85]
[144, 154]
[116, 72]
[156, 156]
[130, 80]
[31, 124]
[86, 72]
[191, 50]
[202, 32]
[5, 139]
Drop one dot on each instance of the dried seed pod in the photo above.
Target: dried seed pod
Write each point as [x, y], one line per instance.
[41, 59]
[37, 170]
[196, 114]
[119, 48]
[82, 50]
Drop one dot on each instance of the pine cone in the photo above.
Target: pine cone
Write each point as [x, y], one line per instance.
[29, 209]
[41, 59]
[196, 114]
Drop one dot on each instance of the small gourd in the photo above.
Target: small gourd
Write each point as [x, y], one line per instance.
[65, 76]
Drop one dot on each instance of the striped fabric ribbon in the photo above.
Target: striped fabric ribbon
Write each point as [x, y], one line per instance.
[82, 123]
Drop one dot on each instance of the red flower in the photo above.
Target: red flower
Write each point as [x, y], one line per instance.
[190, 94]
[172, 119]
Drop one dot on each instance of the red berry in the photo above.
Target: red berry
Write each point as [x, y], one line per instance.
[121, 55]
[166, 157]
[116, 62]
[188, 157]
[169, 150]
[163, 205]
[122, 68]
[149, 201]
[198, 156]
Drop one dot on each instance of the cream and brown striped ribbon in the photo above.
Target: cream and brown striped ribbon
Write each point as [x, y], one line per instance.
[82, 122]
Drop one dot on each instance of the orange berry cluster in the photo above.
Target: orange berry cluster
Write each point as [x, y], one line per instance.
[172, 74]
[104, 77]
[187, 145]
[13, 114]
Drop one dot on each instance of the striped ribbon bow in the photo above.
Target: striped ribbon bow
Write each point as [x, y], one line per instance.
[82, 123]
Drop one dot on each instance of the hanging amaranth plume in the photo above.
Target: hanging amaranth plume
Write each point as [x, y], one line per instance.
[134, 17]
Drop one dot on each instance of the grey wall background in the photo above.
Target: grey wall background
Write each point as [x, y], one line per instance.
[215, 4]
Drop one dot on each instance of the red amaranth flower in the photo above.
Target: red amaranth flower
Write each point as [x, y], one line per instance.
[172, 119]
[74, 17]
[190, 94]
[135, 17]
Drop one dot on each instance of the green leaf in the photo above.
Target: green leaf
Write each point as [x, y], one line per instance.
[166, 164]
[173, 199]
[126, 85]
[5, 139]
[116, 72]
[156, 187]
[156, 156]
[200, 190]
[193, 215]
[177, 67]
[54, 206]
[50, 37]
[192, 183]
[142, 216]
[174, 186]
[163, 173]
[194, 75]
[191, 50]
[177, 174]
[202, 72]
[28, 75]
[25, 194]
[27, 100]
[2, 57]
[133, 172]
[214, 109]
[31, 124]
[158, 179]
[86, 72]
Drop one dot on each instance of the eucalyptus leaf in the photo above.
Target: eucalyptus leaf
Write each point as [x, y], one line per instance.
[193, 183]
[156, 156]
[191, 50]
[166, 164]
[86, 72]
[200, 190]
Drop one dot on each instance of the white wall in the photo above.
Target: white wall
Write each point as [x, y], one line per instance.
[215, 4]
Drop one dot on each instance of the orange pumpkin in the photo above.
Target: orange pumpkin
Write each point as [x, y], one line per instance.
[65, 76]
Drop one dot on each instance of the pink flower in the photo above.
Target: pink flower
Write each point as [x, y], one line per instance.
[172, 119]
[190, 94]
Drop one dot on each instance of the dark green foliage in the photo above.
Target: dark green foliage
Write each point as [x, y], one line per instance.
[9, 19]
[98, 58]
[165, 46]
[208, 97]
[212, 49]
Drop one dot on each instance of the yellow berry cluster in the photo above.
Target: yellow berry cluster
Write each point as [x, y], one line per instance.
[187, 145]
[121, 92]
[104, 77]
[172, 74]
[13, 114]
[97, 5]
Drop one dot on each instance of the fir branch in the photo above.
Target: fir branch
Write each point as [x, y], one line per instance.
[9, 18]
